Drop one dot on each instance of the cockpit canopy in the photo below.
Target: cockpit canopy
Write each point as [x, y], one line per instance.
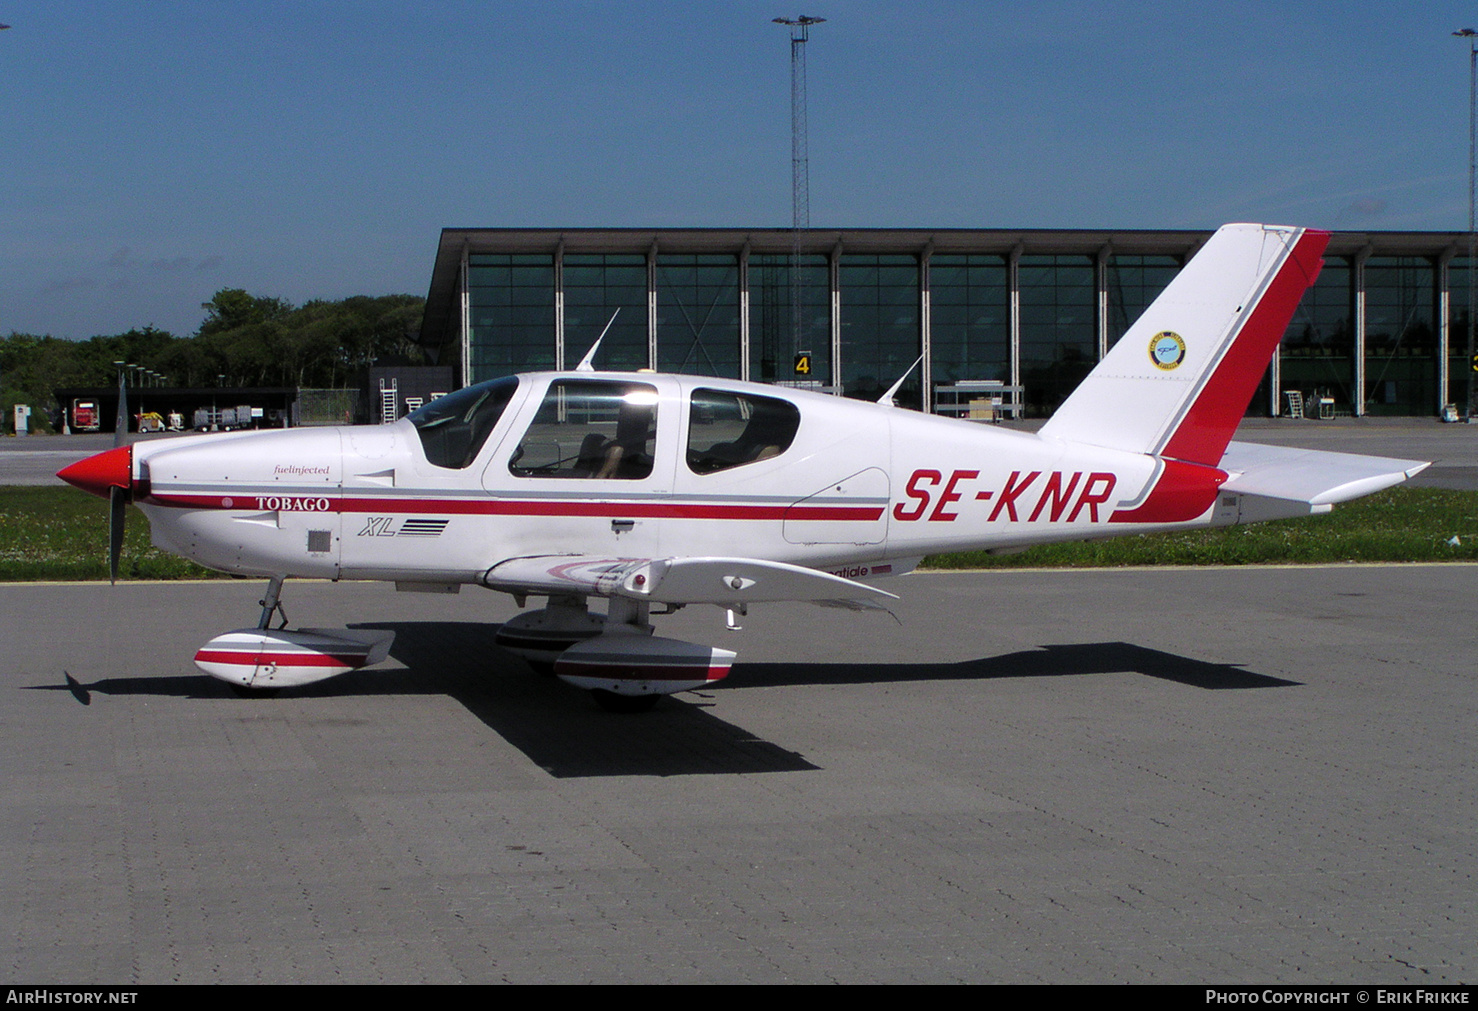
[590, 428]
[606, 428]
[728, 429]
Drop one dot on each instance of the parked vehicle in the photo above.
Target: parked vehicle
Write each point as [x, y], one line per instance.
[226, 419]
[86, 417]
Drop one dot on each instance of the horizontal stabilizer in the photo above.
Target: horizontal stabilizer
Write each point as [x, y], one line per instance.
[1310, 477]
[725, 581]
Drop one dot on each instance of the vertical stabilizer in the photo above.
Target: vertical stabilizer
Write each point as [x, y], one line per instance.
[1179, 381]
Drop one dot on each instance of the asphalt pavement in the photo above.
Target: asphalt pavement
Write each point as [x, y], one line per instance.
[1193, 776]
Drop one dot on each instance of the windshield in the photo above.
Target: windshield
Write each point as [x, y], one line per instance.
[453, 428]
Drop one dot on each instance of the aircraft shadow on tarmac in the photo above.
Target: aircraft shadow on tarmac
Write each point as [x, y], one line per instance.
[562, 732]
[1045, 661]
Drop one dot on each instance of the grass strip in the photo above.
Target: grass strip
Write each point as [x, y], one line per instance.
[62, 533]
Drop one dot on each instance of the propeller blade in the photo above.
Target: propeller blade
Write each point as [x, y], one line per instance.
[120, 423]
[117, 501]
[108, 475]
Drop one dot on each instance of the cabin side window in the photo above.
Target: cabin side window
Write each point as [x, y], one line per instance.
[453, 428]
[727, 430]
[590, 429]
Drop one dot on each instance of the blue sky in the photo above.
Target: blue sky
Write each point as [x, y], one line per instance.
[156, 152]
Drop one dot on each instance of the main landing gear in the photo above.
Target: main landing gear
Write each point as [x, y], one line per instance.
[615, 656]
[260, 661]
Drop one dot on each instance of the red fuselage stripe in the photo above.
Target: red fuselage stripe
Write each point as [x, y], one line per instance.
[521, 507]
[1183, 492]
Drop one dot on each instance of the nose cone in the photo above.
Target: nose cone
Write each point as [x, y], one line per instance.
[96, 474]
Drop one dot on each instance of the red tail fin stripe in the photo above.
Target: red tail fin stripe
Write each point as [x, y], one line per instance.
[1208, 426]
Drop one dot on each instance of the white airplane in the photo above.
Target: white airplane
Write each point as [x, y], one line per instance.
[660, 491]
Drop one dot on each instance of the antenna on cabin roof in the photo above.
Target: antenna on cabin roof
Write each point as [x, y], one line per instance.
[586, 362]
[887, 398]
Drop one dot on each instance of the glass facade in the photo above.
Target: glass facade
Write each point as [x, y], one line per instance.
[969, 318]
[595, 287]
[879, 297]
[1059, 338]
[1400, 335]
[773, 342]
[510, 301]
[1383, 331]
[1317, 358]
[1460, 372]
[698, 314]
[1133, 282]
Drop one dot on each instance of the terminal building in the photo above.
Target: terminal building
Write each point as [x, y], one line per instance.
[1384, 331]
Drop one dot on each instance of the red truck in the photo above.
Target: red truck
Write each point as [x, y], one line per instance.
[85, 416]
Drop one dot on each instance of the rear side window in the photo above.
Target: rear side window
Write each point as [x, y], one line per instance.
[727, 430]
[590, 428]
[453, 428]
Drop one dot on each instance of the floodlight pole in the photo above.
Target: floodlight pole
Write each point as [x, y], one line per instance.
[800, 183]
[1472, 37]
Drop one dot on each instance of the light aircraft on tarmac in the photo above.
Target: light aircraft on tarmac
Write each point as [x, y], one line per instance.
[660, 491]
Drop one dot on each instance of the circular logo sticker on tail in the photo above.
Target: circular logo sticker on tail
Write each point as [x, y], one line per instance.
[1167, 350]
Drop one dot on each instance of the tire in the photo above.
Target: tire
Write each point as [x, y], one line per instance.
[614, 702]
[247, 692]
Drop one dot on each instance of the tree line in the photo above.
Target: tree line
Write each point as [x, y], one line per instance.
[245, 340]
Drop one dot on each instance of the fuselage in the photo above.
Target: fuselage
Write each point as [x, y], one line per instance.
[641, 465]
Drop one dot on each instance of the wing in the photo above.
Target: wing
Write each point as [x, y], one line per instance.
[1298, 482]
[728, 582]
